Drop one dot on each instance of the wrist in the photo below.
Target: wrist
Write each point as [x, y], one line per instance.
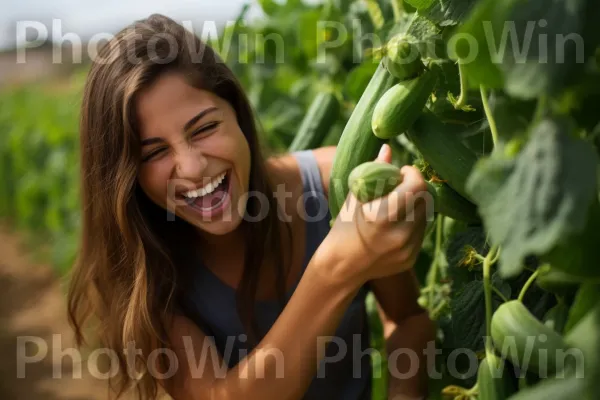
[336, 271]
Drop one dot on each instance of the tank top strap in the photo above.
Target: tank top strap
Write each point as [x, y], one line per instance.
[316, 207]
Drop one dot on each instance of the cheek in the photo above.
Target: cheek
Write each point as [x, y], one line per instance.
[153, 181]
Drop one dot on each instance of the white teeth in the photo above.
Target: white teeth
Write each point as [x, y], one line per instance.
[208, 188]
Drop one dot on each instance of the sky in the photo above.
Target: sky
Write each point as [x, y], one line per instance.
[86, 18]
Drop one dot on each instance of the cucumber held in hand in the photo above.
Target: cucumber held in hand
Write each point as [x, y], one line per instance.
[373, 179]
[401, 105]
[525, 341]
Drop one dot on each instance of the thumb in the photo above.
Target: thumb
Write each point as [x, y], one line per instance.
[385, 154]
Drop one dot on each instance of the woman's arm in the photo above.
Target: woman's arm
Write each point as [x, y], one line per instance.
[407, 327]
[408, 332]
[283, 364]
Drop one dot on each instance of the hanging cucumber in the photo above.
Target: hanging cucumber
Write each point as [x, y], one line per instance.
[357, 143]
[494, 380]
[524, 340]
[402, 57]
[320, 117]
[401, 105]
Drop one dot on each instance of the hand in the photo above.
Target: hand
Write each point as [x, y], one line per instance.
[382, 237]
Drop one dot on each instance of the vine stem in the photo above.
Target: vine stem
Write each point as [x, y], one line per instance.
[397, 9]
[488, 114]
[487, 289]
[527, 284]
[462, 98]
[499, 293]
[436, 256]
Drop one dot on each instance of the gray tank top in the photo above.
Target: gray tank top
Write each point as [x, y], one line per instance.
[345, 373]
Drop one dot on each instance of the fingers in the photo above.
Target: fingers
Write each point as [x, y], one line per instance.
[402, 201]
[385, 154]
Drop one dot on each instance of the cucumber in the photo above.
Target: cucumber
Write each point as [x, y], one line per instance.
[524, 340]
[320, 117]
[401, 105]
[443, 150]
[357, 143]
[451, 204]
[402, 58]
[493, 379]
[371, 180]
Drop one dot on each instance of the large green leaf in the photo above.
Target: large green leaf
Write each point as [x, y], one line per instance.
[468, 316]
[447, 12]
[551, 48]
[530, 203]
[532, 48]
[585, 336]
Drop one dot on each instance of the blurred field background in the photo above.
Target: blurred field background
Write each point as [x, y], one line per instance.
[39, 107]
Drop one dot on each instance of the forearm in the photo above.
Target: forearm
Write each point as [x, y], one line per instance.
[284, 363]
[405, 344]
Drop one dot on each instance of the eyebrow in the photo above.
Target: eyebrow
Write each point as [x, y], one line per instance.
[186, 127]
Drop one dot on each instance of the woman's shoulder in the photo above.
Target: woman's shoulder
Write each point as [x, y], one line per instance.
[287, 169]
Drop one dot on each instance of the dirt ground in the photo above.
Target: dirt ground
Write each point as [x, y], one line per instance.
[32, 304]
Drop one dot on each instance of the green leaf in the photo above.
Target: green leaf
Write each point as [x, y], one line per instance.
[585, 336]
[420, 4]
[468, 316]
[358, 79]
[530, 203]
[487, 16]
[587, 297]
[542, 61]
[447, 12]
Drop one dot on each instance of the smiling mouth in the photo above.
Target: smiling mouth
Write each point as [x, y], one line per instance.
[213, 200]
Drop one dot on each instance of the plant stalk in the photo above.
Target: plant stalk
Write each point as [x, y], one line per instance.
[488, 114]
[487, 289]
[528, 284]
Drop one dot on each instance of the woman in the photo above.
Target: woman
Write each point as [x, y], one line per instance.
[197, 251]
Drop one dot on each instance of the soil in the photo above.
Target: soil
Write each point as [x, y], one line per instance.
[32, 310]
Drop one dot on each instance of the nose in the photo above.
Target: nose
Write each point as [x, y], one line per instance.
[190, 163]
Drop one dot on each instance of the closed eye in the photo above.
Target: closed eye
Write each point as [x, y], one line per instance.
[153, 154]
[206, 128]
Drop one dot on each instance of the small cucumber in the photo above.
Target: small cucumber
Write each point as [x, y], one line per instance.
[494, 380]
[401, 105]
[524, 340]
[372, 180]
[402, 58]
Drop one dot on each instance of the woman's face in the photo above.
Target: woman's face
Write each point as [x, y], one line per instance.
[195, 159]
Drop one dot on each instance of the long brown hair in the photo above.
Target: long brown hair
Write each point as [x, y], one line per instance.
[132, 262]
